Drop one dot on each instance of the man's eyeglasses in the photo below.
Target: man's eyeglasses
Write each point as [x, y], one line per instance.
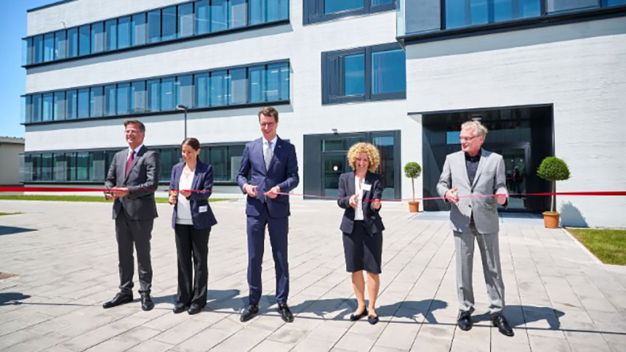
[467, 139]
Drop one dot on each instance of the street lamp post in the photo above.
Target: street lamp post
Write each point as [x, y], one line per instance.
[183, 108]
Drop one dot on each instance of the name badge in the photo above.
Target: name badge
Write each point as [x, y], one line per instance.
[367, 187]
[203, 208]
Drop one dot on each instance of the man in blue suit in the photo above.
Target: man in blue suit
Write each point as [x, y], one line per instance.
[268, 167]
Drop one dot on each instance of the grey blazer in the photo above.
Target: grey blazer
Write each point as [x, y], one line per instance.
[490, 179]
[142, 181]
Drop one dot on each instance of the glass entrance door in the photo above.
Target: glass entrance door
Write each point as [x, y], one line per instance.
[333, 165]
[516, 169]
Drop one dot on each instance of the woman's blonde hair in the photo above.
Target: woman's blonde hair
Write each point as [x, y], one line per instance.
[367, 148]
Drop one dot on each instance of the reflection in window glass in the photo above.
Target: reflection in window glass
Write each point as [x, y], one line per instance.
[28, 50]
[38, 45]
[238, 13]
[615, 2]
[83, 163]
[139, 96]
[72, 42]
[381, 2]
[284, 82]
[97, 37]
[385, 146]
[70, 159]
[334, 6]
[219, 15]
[37, 108]
[168, 29]
[168, 94]
[27, 109]
[59, 105]
[98, 171]
[185, 90]
[202, 90]
[258, 12]
[154, 91]
[530, 8]
[124, 102]
[83, 102]
[72, 104]
[48, 47]
[279, 10]
[257, 84]
[388, 71]
[169, 158]
[185, 20]
[46, 167]
[109, 100]
[154, 26]
[60, 45]
[273, 83]
[479, 12]
[110, 35]
[123, 32]
[218, 88]
[46, 113]
[84, 36]
[567, 5]
[139, 29]
[60, 167]
[96, 101]
[219, 160]
[203, 20]
[354, 74]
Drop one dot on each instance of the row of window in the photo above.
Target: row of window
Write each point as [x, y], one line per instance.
[92, 166]
[225, 87]
[370, 73]
[325, 10]
[160, 25]
[463, 13]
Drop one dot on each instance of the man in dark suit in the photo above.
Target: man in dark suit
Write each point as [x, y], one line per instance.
[268, 167]
[132, 179]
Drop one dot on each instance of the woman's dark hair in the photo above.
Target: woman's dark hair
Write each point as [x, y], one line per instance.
[192, 142]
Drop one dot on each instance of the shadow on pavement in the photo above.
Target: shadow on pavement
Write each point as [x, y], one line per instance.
[10, 230]
[11, 298]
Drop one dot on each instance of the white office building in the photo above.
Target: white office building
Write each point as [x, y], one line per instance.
[547, 77]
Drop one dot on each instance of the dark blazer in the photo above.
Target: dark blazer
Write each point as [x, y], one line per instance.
[202, 180]
[282, 172]
[142, 181]
[371, 217]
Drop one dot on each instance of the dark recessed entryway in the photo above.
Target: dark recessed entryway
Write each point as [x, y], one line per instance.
[522, 135]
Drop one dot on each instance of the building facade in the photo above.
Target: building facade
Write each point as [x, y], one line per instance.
[10, 150]
[547, 79]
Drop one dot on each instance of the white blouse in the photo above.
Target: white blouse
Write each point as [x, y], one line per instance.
[358, 187]
[183, 213]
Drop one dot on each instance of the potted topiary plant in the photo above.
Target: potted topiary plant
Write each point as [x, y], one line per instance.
[413, 170]
[552, 169]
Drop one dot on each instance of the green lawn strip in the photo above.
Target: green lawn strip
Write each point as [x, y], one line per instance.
[80, 198]
[9, 213]
[609, 245]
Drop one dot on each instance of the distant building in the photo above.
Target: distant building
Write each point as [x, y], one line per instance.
[10, 150]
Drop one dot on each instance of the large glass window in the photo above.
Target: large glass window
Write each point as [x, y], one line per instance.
[168, 94]
[238, 83]
[185, 90]
[258, 13]
[201, 90]
[185, 20]
[238, 13]
[60, 167]
[277, 10]
[273, 83]
[59, 105]
[48, 107]
[462, 13]
[97, 37]
[154, 26]
[111, 35]
[72, 42]
[140, 29]
[70, 159]
[388, 71]
[124, 99]
[72, 104]
[83, 163]
[139, 96]
[257, 84]
[168, 29]
[334, 6]
[83, 102]
[219, 15]
[169, 158]
[47, 168]
[98, 166]
[60, 45]
[38, 46]
[219, 89]
[154, 92]
[109, 100]
[48, 47]
[123, 32]
[354, 74]
[202, 17]
[96, 101]
[567, 5]
[84, 37]
[324, 10]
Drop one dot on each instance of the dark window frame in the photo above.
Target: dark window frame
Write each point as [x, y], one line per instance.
[314, 11]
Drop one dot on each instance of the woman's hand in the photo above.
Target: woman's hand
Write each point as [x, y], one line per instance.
[376, 204]
[172, 198]
[185, 194]
[354, 199]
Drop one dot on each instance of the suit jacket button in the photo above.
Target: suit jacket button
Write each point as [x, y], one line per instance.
[470, 205]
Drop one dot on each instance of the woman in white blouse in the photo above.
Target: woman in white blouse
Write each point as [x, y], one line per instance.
[360, 192]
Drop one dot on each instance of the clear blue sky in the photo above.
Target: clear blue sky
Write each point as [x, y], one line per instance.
[12, 75]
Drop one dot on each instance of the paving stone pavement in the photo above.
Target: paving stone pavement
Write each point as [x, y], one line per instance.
[559, 297]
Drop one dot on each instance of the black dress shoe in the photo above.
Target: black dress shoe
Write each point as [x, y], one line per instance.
[285, 313]
[249, 312]
[119, 299]
[146, 302]
[179, 307]
[372, 319]
[194, 309]
[355, 317]
[503, 325]
[465, 320]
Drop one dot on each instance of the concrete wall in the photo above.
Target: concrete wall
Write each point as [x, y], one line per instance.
[577, 67]
[10, 163]
[302, 45]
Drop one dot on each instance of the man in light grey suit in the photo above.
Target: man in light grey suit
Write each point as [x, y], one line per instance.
[132, 179]
[474, 171]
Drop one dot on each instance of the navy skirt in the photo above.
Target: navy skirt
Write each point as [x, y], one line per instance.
[363, 251]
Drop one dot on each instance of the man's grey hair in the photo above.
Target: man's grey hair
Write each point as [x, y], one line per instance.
[479, 129]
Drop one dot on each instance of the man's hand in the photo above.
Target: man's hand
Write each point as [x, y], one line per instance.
[451, 196]
[251, 190]
[119, 192]
[354, 199]
[109, 196]
[376, 204]
[273, 193]
[500, 198]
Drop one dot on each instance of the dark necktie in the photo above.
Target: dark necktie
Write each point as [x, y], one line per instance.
[130, 161]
